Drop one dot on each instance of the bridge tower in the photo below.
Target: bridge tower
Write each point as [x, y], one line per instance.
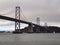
[17, 16]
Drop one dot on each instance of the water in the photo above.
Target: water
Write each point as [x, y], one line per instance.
[30, 39]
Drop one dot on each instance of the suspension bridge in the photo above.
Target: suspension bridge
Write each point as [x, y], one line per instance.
[17, 21]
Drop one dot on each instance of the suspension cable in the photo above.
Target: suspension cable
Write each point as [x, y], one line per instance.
[23, 15]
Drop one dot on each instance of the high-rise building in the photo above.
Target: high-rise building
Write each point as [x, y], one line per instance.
[38, 21]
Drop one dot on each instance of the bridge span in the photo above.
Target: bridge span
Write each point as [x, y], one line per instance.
[21, 21]
[17, 21]
[14, 20]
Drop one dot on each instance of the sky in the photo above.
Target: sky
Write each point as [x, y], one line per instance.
[47, 10]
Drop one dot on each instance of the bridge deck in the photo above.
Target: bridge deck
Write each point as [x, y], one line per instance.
[13, 19]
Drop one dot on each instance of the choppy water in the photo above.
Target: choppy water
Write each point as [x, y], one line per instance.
[29, 39]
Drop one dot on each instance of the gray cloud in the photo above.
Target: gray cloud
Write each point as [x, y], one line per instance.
[47, 10]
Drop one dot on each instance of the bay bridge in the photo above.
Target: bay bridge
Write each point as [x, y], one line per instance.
[17, 21]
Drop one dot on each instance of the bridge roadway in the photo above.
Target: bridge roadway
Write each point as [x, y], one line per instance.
[13, 19]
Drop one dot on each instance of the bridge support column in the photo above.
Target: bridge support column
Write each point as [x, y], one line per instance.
[30, 28]
[17, 23]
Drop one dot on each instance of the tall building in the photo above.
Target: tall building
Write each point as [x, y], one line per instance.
[45, 24]
[38, 21]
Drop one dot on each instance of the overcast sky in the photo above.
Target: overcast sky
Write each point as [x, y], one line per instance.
[47, 10]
